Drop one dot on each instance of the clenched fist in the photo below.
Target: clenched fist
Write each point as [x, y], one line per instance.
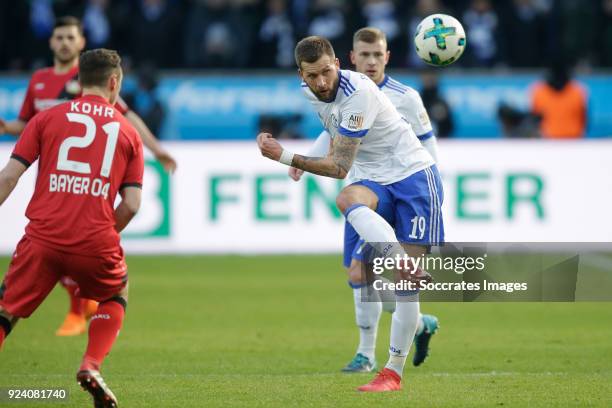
[269, 147]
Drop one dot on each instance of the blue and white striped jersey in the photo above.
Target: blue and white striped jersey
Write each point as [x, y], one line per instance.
[389, 150]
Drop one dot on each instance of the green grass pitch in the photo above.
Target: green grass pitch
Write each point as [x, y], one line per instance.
[273, 331]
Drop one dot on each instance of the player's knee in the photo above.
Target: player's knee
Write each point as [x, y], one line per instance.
[352, 195]
[343, 201]
[346, 199]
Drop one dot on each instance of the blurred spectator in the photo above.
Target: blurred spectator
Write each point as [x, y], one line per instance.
[332, 19]
[561, 103]
[13, 17]
[383, 14]
[144, 100]
[517, 124]
[242, 33]
[275, 40]
[438, 109]
[575, 18]
[422, 9]
[282, 126]
[524, 35]
[96, 24]
[154, 33]
[603, 35]
[216, 36]
[481, 22]
[42, 18]
[299, 16]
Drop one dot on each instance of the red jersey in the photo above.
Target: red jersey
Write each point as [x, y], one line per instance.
[47, 89]
[87, 152]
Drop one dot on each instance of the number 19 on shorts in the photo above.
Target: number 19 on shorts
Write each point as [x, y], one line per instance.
[418, 227]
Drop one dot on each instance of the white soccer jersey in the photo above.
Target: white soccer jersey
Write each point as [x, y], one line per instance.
[409, 104]
[389, 150]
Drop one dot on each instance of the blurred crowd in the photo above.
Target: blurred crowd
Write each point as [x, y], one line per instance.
[190, 34]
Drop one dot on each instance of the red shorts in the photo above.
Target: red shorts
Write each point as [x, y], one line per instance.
[35, 269]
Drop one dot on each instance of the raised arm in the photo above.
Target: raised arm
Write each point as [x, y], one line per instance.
[336, 164]
[319, 148]
[162, 156]
[14, 127]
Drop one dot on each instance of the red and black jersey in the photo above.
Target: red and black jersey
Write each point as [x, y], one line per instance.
[47, 89]
[87, 151]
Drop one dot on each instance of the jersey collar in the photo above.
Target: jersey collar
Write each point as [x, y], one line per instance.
[72, 72]
[384, 81]
[338, 87]
[96, 98]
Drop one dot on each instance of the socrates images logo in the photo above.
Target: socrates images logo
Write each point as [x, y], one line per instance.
[153, 218]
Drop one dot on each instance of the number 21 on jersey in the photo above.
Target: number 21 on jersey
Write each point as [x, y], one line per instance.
[80, 142]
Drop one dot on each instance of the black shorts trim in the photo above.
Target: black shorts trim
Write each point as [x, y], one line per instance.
[117, 299]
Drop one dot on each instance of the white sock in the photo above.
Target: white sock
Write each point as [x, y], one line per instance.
[367, 315]
[387, 297]
[374, 230]
[403, 327]
[420, 325]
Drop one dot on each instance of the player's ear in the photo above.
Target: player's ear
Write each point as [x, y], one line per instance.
[113, 82]
[352, 56]
[387, 56]
[300, 73]
[337, 63]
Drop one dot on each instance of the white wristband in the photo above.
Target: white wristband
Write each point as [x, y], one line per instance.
[286, 157]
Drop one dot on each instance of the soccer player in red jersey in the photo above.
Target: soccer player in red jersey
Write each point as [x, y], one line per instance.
[87, 152]
[47, 88]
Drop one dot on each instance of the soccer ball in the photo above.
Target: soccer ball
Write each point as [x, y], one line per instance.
[439, 40]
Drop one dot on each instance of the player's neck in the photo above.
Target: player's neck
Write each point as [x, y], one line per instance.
[96, 92]
[64, 67]
[380, 81]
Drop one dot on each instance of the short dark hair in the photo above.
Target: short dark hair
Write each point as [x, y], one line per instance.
[96, 66]
[369, 35]
[310, 49]
[67, 21]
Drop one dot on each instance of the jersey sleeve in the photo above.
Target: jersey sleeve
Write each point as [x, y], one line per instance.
[415, 113]
[122, 106]
[321, 146]
[431, 145]
[358, 114]
[27, 148]
[27, 108]
[135, 167]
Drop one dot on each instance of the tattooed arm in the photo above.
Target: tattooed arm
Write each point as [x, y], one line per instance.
[336, 164]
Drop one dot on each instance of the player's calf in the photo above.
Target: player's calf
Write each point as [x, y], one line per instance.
[103, 330]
